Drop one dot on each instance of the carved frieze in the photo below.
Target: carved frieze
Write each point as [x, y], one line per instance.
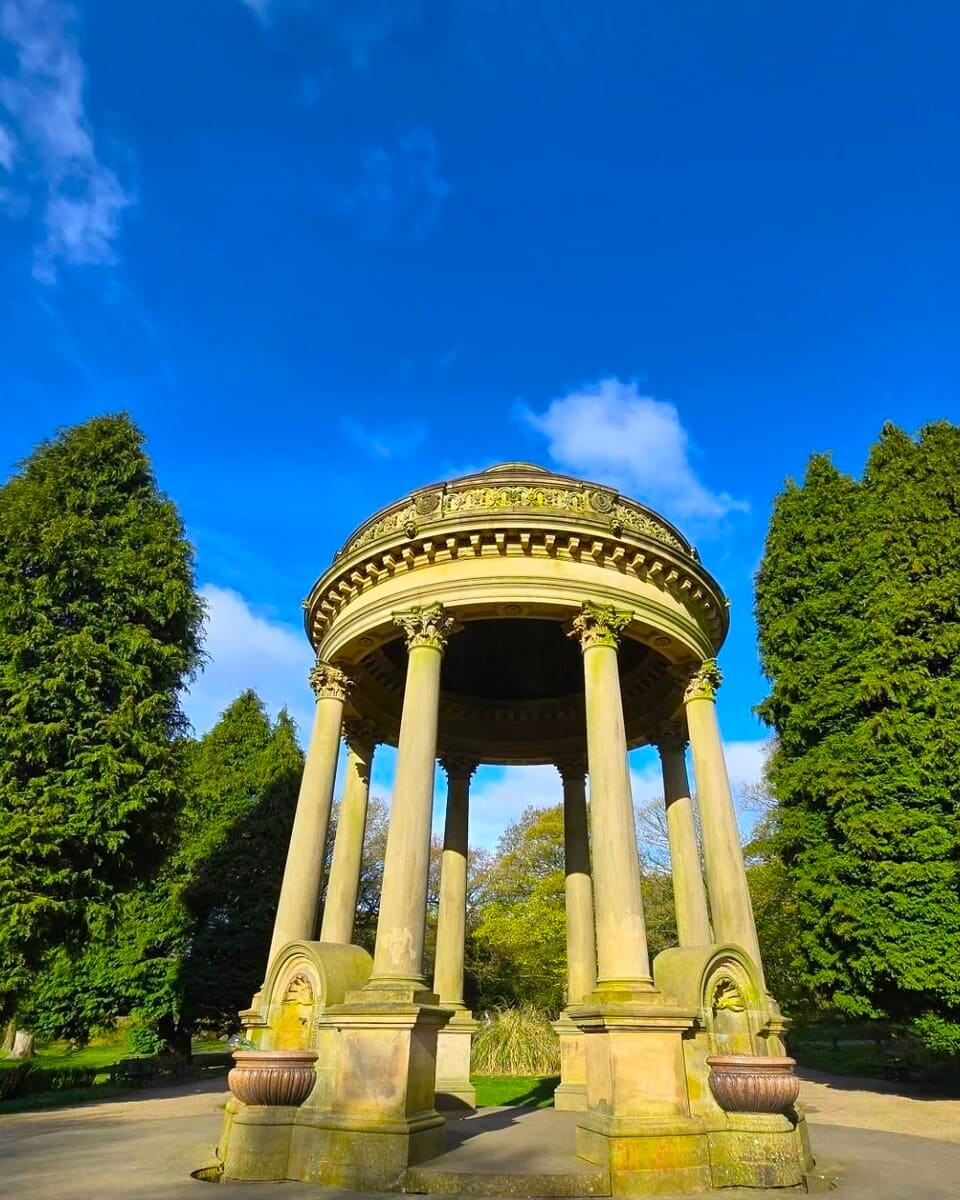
[436, 503]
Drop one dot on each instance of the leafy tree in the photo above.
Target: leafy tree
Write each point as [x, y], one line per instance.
[858, 608]
[190, 945]
[99, 629]
[518, 948]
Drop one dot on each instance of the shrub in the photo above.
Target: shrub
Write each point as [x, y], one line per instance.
[13, 1080]
[518, 1041]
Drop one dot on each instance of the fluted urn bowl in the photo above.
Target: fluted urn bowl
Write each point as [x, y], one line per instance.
[272, 1076]
[751, 1083]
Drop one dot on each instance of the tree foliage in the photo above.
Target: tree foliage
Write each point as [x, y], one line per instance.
[190, 944]
[99, 629]
[858, 609]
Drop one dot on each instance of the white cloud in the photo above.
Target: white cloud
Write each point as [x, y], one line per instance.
[499, 795]
[608, 430]
[82, 200]
[247, 650]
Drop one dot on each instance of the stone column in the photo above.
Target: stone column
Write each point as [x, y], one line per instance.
[300, 891]
[730, 904]
[623, 965]
[689, 896]
[398, 957]
[340, 909]
[571, 1093]
[581, 938]
[454, 1042]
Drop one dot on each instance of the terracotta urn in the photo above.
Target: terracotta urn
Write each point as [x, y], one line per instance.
[753, 1083]
[272, 1076]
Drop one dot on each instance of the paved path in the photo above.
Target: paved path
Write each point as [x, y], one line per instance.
[144, 1147]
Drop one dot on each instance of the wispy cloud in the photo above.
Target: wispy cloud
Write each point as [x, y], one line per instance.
[384, 442]
[610, 431]
[400, 189]
[52, 153]
[356, 28]
[249, 650]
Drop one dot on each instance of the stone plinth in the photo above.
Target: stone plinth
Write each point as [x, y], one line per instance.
[454, 1043]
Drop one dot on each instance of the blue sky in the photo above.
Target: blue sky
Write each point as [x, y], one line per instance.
[327, 251]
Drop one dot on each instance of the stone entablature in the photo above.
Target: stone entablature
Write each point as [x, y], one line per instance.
[530, 515]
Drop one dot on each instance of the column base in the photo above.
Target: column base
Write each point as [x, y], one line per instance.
[685, 1155]
[455, 1092]
[371, 1114]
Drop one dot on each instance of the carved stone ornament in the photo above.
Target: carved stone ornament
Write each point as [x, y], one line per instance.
[427, 502]
[599, 625]
[726, 995]
[573, 767]
[704, 683]
[329, 682]
[299, 990]
[671, 736]
[361, 736]
[458, 766]
[426, 625]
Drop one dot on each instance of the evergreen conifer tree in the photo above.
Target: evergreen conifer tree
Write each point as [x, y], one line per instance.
[99, 629]
[858, 607]
[190, 945]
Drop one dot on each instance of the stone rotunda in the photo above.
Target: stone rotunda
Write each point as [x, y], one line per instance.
[517, 616]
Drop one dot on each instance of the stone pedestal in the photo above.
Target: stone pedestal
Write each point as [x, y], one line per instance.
[381, 1117]
[454, 1043]
[571, 1092]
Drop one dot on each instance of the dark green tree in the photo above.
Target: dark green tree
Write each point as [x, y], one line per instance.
[99, 630]
[190, 944]
[858, 608]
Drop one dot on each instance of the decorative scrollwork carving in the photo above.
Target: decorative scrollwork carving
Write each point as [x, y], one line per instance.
[329, 682]
[727, 995]
[599, 625]
[704, 683]
[299, 990]
[426, 625]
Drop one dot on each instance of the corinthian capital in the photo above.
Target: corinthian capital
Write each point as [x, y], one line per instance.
[361, 736]
[458, 766]
[599, 625]
[670, 736]
[704, 683]
[329, 682]
[426, 625]
[572, 768]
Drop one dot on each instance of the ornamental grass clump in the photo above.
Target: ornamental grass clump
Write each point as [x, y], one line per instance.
[518, 1041]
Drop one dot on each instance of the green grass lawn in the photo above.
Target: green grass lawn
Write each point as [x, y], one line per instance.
[534, 1090]
[60, 1055]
